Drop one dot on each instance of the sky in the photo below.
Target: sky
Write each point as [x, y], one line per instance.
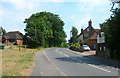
[73, 12]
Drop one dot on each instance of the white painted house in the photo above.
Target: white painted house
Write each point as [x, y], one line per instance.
[80, 38]
[101, 38]
[101, 49]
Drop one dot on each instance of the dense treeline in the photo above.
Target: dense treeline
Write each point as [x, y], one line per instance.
[44, 29]
[111, 29]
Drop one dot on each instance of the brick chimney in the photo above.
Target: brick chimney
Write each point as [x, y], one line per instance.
[90, 23]
[81, 30]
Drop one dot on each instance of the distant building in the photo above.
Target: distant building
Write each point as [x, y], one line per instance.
[80, 37]
[89, 33]
[12, 38]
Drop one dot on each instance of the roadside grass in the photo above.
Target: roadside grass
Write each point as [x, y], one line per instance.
[15, 63]
[22, 48]
[18, 63]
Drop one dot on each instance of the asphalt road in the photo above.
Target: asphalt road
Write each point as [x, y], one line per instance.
[62, 62]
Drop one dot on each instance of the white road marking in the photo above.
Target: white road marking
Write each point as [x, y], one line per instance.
[77, 60]
[66, 55]
[54, 64]
[61, 53]
[87, 64]
[98, 67]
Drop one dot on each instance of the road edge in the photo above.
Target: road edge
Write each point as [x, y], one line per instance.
[44, 52]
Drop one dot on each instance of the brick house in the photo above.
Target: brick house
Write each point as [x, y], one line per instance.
[12, 38]
[89, 34]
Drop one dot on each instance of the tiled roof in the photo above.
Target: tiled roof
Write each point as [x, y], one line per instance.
[79, 35]
[6, 37]
[97, 30]
[13, 35]
[94, 36]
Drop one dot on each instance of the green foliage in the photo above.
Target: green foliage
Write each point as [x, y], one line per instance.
[77, 45]
[44, 29]
[85, 41]
[64, 45]
[72, 45]
[2, 46]
[2, 31]
[111, 29]
[74, 33]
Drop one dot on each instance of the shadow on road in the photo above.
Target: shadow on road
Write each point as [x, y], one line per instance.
[87, 60]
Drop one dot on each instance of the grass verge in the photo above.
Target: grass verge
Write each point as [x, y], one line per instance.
[18, 63]
[15, 63]
[22, 48]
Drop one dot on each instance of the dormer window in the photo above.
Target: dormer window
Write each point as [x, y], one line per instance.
[87, 29]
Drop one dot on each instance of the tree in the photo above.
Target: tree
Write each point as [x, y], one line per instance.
[2, 31]
[74, 33]
[111, 29]
[44, 29]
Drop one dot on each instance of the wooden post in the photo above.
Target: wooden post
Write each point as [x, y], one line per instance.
[19, 48]
[25, 48]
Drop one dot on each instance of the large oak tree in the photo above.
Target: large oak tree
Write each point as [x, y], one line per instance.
[44, 29]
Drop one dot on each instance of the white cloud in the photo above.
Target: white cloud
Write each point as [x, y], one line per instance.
[21, 4]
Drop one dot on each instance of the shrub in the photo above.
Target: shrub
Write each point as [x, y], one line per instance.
[2, 46]
[77, 45]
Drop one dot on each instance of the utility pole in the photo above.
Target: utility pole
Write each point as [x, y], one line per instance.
[35, 38]
[73, 35]
[35, 31]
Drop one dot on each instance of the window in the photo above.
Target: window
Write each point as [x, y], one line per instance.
[100, 49]
[104, 48]
[86, 35]
[87, 29]
[11, 40]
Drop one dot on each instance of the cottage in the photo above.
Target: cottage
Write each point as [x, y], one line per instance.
[12, 38]
[89, 34]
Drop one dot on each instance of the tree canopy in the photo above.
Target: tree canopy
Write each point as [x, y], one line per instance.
[2, 31]
[44, 29]
[111, 29]
[74, 34]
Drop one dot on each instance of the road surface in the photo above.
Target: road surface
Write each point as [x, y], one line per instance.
[62, 62]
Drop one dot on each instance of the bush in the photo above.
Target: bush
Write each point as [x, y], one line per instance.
[77, 45]
[64, 45]
[2, 46]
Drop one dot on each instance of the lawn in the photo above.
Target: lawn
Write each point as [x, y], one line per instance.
[17, 63]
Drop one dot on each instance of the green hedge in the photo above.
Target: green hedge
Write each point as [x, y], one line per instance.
[2, 46]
